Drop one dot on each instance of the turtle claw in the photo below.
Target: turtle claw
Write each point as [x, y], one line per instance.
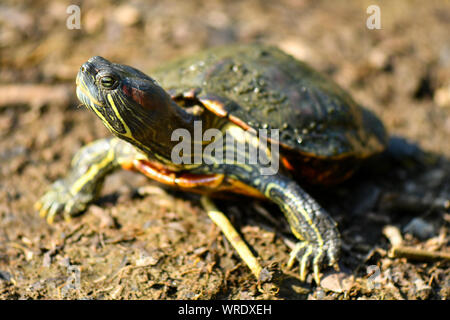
[53, 211]
[59, 200]
[67, 217]
[310, 254]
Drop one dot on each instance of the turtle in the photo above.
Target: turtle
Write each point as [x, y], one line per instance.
[318, 135]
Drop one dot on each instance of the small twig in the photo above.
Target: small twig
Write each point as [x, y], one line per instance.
[399, 251]
[417, 254]
[232, 235]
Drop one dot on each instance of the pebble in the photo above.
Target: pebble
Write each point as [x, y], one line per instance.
[145, 261]
[337, 282]
[378, 59]
[442, 97]
[420, 228]
[127, 15]
[5, 276]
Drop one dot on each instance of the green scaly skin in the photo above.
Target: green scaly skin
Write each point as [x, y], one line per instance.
[90, 166]
[142, 117]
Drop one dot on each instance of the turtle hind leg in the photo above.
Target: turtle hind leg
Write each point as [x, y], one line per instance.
[319, 238]
[90, 165]
[408, 154]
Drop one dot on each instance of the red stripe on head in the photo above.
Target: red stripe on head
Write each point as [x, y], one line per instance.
[126, 90]
[137, 95]
[150, 97]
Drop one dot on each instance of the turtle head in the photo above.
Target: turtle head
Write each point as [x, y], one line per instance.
[130, 104]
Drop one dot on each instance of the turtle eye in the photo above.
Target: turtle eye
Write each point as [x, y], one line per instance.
[108, 82]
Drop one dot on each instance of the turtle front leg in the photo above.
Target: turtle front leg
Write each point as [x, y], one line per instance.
[90, 165]
[320, 240]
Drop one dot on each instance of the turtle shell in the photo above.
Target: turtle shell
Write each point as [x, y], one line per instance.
[266, 88]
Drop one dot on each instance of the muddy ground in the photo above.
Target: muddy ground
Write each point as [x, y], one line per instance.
[144, 241]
